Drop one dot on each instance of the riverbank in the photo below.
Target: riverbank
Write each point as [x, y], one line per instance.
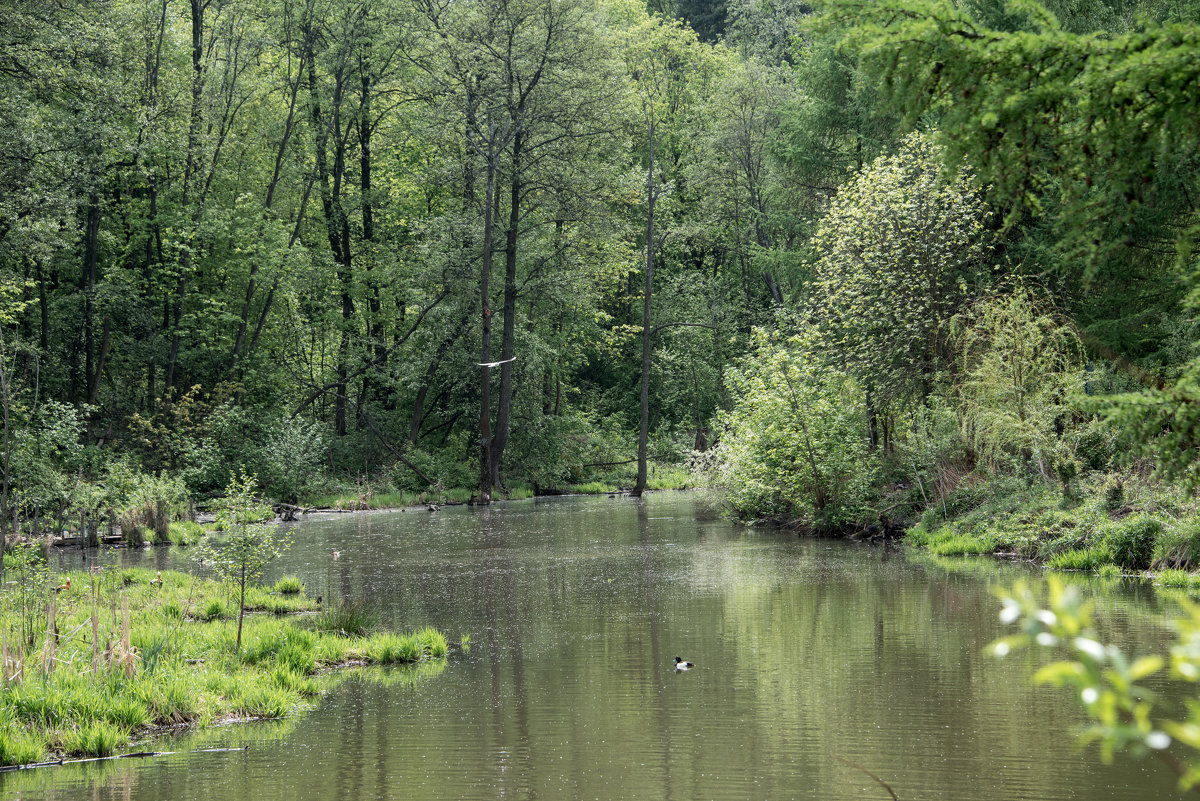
[99, 659]
[1111, 523]
[364, 498]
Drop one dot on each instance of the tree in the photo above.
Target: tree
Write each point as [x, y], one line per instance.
[1020, 373]
[1087, 144]
[739, 177]
[1104, 122]
[666, 66]
[896, 256]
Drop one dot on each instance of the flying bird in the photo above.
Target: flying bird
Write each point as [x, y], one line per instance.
[497, 364]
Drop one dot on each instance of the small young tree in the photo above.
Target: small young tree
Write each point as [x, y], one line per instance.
[1021, 370]
[794, 437]
[248, 545]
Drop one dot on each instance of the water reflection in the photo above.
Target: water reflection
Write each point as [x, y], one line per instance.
[815, 660]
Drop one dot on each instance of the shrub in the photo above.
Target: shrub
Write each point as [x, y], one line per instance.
[792, 443]
[1178, 545]
[1131, 541]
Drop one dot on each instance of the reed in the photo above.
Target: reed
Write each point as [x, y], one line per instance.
[1173, 578]
[350, 619]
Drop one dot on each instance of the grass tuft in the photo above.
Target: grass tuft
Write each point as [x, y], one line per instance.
[350, 619]
[1173, 578]
[1080, 558]
[289, 585]
[147, 663]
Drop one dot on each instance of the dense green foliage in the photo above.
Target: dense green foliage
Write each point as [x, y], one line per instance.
[239, 236]
[388, 250]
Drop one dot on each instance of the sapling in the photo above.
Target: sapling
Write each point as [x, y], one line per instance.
[246, 547]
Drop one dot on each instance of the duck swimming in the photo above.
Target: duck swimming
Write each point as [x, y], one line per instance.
[681, 665]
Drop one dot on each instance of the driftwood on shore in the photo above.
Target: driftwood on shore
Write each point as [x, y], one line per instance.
[135, 754]
[288, 512]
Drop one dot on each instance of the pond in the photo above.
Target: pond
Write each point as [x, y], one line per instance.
[818, 663]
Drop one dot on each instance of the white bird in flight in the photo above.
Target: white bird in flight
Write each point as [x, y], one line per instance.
[497, 364]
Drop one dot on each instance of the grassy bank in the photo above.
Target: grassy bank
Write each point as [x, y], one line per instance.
[91, 661]
[1111, 523]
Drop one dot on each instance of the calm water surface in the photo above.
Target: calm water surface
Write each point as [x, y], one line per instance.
[817, 661]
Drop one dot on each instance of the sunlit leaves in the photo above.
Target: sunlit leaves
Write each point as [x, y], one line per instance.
[1124, 713]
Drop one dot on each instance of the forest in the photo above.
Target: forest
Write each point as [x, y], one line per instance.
[855, 264]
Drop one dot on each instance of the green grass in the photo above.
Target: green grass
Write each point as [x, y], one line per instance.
[214, 609]
[186, 532]
[962, 544]
[1081, 558]
[93, 738]
[592, 488]
[670, 478]
[172, 661]
[1173, 578]
[949, 541]
[349, 619]
[1154, 526]
[289, 585]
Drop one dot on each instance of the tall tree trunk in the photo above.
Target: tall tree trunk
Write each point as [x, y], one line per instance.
[508, 338]
[91, 247]
[105, 341]
[336, 222]
[647, 287]
[43, 307]
[485, 334]
[191, 166]
[378, 350]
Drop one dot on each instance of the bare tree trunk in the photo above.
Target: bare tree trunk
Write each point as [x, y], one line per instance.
[91, 248]
[241, 608]
[336, 223]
